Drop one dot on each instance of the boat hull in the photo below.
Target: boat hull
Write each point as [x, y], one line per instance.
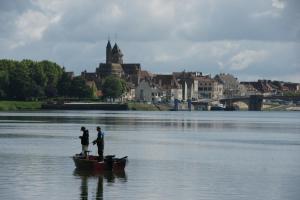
[91, 163]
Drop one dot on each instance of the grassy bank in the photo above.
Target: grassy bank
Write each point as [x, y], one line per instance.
[148, 107]
[20, 105]
[142, 106]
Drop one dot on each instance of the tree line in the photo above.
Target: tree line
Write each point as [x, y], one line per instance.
[27, 79]
[30, 80]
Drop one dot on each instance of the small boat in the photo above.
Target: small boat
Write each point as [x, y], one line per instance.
[91, 163]
[217, 107]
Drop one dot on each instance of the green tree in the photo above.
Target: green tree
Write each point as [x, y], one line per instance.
[28, 79]
[113, 87]
[19, 86]
[7, 65]
[53, 73]
[38, 75]
[4, 83]
[38, 79]
[80, 89]
[64, 85]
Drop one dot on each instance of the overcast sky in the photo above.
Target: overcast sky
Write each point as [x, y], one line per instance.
[257, 39]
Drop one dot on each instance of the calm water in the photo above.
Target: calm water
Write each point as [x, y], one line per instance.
[172, 155]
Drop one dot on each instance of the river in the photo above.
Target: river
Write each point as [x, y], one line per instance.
[172, 155]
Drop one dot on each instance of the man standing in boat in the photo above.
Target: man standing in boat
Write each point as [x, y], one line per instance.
[100, 143]
[84, 140]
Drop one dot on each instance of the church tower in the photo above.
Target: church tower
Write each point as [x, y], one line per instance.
[117, 55]
[108, 53]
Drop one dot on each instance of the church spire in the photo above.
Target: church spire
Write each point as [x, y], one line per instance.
[108, 44]
[108, 52]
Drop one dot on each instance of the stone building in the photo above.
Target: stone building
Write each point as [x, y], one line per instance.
[146, 91]
[197, 86]
[129, 94]
[89, 76]
[209, 88]
[231, 86]
[170, 87]
[268, 87]
[114, 65]
[189, 84]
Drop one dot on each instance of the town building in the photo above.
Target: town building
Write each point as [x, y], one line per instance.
[230, 84]
[189, 84]
[146, 91]
[90, 76]
[170, 87]
[129, 94]
[209, 88]
[268, 87]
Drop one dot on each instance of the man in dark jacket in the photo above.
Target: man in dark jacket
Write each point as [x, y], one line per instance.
[84, 140]
[100, 143]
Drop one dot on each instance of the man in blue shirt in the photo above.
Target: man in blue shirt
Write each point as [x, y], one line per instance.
[100, 143]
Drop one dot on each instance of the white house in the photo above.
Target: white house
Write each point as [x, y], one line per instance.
[148, 92]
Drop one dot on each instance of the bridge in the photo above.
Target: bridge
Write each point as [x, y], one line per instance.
[255, 102]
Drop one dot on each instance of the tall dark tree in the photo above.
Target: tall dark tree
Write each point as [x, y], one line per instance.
[80, 89]
[38, 75]
[53, 73]
[113, 87]
[64, 85]
[19, 86]
[4, 83]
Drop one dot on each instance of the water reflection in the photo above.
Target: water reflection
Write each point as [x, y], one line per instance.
[108, 176]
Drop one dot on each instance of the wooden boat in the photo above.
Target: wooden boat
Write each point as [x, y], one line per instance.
[91, 163]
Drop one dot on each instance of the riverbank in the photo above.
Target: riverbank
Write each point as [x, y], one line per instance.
[37, 105]
[20, 105]
[85, 106]
[135, 106]
[148, 107]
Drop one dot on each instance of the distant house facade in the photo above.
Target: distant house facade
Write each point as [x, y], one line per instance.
[189, 84]
[169, 86]
[70, 75]
[89, 76]
[231, 86]
[129, 95]
[209, 88]
[292, 87]
[268, 87]
[147, 92]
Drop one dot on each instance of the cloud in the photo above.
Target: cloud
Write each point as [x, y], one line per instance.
[245, 58]
[30, 26]
[249, 38]
[280, 4]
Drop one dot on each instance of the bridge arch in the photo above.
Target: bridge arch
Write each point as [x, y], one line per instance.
[254, 102]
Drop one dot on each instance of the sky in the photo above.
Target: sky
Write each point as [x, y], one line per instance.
[257, 39]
